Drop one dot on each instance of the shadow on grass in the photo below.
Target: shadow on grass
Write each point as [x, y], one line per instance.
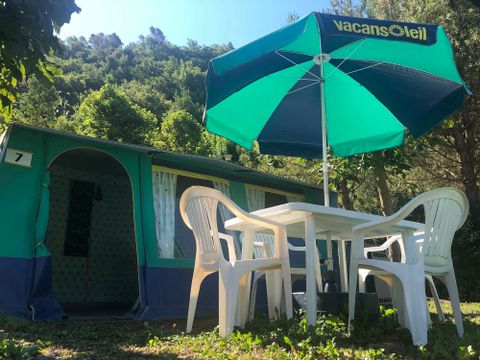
[120, 339]
[93, 339]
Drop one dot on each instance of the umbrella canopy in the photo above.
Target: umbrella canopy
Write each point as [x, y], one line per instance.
[361, 81]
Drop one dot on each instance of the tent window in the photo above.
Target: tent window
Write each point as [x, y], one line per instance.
[164, 187]
[170, 227]
[79, 218]
[273, 199]
[259, 199]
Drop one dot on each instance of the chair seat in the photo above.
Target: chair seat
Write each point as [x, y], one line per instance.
[436, 264]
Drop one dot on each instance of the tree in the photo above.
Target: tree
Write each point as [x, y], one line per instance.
[38, 105]
[147, 96]
[180, 132]
[27, 33]
[107, 114]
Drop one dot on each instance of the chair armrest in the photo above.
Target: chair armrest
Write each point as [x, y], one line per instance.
[232, 254]
[416, 239]
[296, 248]
[386, 221]
[383, 246]
[264, 246]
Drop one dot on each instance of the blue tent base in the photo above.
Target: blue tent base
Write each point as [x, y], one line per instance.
[164, 292]
[28, 291]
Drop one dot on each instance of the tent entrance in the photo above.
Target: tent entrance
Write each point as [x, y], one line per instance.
[91, 234]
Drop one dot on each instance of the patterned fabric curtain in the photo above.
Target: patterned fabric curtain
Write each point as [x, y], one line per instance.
[164, 191]
[294, 197]
[256, 199]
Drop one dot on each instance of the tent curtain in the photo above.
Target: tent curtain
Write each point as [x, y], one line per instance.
[164, 192]
[255, 199]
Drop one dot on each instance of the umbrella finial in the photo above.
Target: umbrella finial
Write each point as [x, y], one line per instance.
[320, 58]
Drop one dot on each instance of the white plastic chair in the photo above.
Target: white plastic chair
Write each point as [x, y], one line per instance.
[446, 210]
[198, 208]
[263, 247]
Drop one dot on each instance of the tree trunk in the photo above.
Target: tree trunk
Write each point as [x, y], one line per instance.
[384, 195]
[385, 199]
[465, 147]
[345, 193]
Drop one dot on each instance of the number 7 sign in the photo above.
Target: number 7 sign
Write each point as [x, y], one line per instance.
[18, 157]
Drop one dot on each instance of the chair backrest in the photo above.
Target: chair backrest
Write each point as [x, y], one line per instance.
[446, 210]
[198, 208]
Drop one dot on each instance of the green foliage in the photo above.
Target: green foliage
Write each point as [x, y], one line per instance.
[26, 36]
[13, 350]
[148, 96]
[466, 255]
[180, 132]
[292, 339]
[107, 114]
[38, 106]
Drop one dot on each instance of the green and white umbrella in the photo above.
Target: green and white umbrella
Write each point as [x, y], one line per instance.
[356, 83]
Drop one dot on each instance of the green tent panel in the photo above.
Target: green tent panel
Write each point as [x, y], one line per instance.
[78, 225]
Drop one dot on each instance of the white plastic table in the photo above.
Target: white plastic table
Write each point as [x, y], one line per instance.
[313, 222]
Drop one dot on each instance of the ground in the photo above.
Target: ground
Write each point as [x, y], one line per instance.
[121, 339]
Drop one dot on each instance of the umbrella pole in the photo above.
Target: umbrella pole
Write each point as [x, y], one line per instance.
[326, 197]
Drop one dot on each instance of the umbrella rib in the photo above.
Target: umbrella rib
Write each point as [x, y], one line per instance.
[345, 59]
[294, 63]
[303, 87]
[291, 78]
[366, 67]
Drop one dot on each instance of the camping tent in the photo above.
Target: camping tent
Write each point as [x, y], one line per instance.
[92, 224]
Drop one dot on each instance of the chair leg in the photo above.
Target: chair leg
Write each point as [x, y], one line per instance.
[451, 284]
[243, 299]
[318, 273]
[287, 289]
[415, 306]
[362, 277]
[227, 300]
[436, 298]
[352, 292]
[197, 279]
[253, 295]
[272, 279]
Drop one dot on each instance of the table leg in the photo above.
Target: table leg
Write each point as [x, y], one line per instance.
[329, 250]
[342, 261]
[311, 293]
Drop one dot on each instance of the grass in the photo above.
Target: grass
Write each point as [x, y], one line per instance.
[119, 339]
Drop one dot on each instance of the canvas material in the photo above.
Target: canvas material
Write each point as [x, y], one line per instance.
[250, 90]
[25, 282]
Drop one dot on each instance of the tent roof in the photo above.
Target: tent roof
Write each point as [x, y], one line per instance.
[193, 163]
